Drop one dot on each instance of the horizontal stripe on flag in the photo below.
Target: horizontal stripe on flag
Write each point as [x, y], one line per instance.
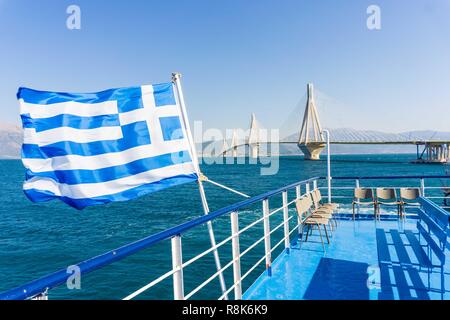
[92, 190]
[135, 134]
[72, 177]
[49, 98]
[71, 121]
[76, 162]
[39, 111]
[126, 195]
[71, 135]
[125, 99]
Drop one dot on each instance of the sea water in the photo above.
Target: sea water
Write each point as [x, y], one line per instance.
[38, 239]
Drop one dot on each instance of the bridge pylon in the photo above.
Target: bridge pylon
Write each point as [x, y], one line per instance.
[253, 138]
[225, 147]
[311, 141]
[234, 144]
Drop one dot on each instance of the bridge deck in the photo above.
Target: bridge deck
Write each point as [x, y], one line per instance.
[413, 142]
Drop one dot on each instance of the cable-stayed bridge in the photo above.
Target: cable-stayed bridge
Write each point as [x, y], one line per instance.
[310, 138]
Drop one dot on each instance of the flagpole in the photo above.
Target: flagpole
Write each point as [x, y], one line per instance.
[176, 80]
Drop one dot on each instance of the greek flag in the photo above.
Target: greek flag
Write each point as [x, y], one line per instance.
[95, 148]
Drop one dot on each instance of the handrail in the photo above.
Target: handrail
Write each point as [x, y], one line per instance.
[389, 177]
[48, 282]
[358, 179]
[438, 213]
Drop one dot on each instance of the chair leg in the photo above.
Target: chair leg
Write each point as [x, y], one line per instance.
[307, 232]
[326, 233]
[302, 237]
[353, 207]
[321, 239]
[331, 225]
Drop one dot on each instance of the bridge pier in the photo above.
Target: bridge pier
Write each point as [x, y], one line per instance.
[312, 150]
[254, 151]
[434, 152]
[234, 152]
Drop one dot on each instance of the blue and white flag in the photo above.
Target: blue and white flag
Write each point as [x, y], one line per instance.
[95, 148]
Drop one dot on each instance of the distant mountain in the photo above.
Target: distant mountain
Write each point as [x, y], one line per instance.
[10, 141]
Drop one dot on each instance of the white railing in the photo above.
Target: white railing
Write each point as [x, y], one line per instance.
[235, 263]
[366, 182]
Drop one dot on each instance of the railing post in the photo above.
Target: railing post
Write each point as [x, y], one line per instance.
[236, 256]
[42, 296]
[308, 189]
[357, 185]
[328, 165]
[298, 192]
[287, 243]
[422, 186]
[314, 184]
[177, 261]
[330, 195]
[267, 243]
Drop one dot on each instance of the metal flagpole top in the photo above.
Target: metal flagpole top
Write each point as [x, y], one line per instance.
[176, 76]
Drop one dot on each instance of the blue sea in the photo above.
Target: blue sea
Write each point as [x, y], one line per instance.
[37, 239]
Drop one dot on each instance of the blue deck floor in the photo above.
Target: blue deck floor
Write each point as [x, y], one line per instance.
[385, 253]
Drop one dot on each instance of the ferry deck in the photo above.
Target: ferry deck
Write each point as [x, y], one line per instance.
[366, 260]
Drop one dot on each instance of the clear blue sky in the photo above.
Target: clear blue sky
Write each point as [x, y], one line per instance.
[241, 56]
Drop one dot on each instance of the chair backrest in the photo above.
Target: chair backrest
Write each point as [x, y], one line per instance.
[409, 193]
[386, 193]
[363, 193]
[315, 198]
[318, 195]
[303, 205]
